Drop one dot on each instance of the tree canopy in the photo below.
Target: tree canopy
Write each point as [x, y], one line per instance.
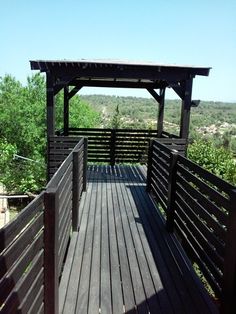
[23, 130]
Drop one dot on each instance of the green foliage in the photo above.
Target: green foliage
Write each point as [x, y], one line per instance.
[217, 160]
[23, 130]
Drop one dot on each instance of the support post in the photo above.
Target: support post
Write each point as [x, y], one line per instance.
[160, 118]
[85, 161]
[66, 110]
[75, 191]
[171, 191]
[186, 108]
[113, 148]
[51, 276]
[228, 305]
[149, 166]
[161, 101]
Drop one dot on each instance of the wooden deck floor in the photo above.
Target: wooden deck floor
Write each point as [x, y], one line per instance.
[122, 260]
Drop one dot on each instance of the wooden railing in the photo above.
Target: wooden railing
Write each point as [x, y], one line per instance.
[111, 146]
[201, 209]
[22, 261]
[33, 246]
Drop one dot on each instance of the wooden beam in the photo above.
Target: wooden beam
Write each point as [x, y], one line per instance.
[74, 91]
[186, 108]
[66, 110]
[154, 94]
[117, 84]
[179, 89]
[61, 82]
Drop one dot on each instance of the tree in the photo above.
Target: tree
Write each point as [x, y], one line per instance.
[116, 122]
[22, 127]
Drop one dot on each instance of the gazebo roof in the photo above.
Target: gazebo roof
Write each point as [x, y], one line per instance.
[116, 73]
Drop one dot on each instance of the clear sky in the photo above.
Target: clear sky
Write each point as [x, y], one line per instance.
[189, 32]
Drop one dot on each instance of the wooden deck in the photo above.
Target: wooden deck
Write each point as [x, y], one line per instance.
[123, 260]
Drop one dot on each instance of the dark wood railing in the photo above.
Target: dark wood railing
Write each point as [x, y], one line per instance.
[201, 209]
[22, 261]
[33, 246]
[111, 146]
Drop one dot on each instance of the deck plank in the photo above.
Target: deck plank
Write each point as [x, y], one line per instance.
[94, 292]
[124, 260]
[116, 282]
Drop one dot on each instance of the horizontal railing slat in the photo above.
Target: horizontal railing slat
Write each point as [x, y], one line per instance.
[9, 257]
[211, 178]
[11, 278]
[17, 296]
[180, 227]
[11, 230]
[203, 200]
[32, 293]
[204, 187]
[184, 212]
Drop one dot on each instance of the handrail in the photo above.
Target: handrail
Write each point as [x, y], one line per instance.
[66, 185]
[200, 208]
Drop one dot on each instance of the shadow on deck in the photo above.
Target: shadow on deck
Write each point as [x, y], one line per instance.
[123, 260]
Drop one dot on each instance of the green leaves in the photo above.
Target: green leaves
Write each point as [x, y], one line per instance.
[23, 130]
[217, 160]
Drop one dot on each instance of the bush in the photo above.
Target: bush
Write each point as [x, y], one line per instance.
[216, 160]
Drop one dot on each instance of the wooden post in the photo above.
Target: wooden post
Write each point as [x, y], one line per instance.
[186, 108]
[85, 161]
[75, 192]
[66, 110]
[51, 276]
[161, 101]
[160, 118]
[149, 166]
[113, 148]
[228, 304]
[171, 191]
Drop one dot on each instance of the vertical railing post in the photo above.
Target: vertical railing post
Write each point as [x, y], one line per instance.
[51, 276]
[149, 165]
[75, 191]
[113, 147]
[85, 161]
[171, 191]
[228, 305]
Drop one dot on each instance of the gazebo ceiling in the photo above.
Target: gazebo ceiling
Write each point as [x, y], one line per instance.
[107, 73]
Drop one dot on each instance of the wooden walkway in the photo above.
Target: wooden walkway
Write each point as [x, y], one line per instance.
[122, 260]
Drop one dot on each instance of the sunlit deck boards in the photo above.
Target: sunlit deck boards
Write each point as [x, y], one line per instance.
[123, 260]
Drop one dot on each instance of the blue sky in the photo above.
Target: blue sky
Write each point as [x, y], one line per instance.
[201, 33]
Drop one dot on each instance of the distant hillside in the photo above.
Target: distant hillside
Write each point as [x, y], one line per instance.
[144, 109]
[211, 119]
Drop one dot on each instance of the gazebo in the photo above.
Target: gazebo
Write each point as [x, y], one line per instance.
[71, 76]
